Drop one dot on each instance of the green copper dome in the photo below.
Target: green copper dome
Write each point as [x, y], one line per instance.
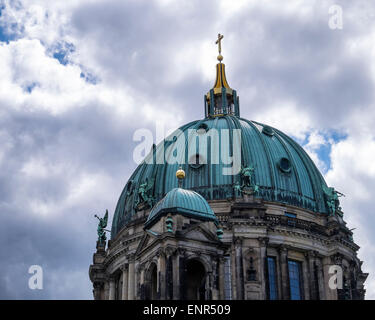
[283, 172]
[185, 202]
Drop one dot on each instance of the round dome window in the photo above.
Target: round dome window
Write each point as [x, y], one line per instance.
[202, 128]
[196, 161]
[284, 165]
[268, 131]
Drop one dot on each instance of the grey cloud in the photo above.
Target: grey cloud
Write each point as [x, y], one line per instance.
[90, 139]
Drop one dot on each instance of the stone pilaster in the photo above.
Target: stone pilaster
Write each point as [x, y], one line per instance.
[221, 278]
[239, 269]
[182, 273]
[131, 279]
[306, 280]
[112, 288]
[263, 241]
[176, 275]
[321, 283]
[169, 274]
[125, 278]
[141, 273]
[161, 274]
[98, 290]
[284, 272]
[233, 272]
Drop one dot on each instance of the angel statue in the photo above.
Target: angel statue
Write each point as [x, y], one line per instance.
[101, 225]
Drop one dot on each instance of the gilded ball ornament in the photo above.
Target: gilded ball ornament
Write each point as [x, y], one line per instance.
[180, 174]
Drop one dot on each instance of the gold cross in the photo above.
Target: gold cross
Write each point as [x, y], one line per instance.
[218, 41]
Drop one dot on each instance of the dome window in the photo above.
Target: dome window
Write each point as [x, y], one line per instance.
[202, 128]
[284, 165]
[268, 131]
[196, 161]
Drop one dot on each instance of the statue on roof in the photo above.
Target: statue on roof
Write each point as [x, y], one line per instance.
[332, 200]
[101, 227]
[248, 184]
[144, 193]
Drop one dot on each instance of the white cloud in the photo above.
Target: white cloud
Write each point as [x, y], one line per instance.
[353, 173]
[64, 139]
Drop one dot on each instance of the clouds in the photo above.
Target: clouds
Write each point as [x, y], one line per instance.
[78, 78]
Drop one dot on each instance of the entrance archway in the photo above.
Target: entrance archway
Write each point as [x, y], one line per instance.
[195, 285]
[152, 283]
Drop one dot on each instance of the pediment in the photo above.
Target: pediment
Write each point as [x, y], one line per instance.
[147, 240]
[199, 233]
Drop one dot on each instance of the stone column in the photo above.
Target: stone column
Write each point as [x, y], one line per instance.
[161, 274]
[125, 276]
[209, 286]
[321, 283]
[131, 279]
[137, 272]
[176, 275]
[239, 269]
[112, 289]
[221, 279]
[233, 273]
[106, 290]
[169, 273]
[263, 241]
[98, 290]
[182, 273]
[142, 281]
[313, 277]
[306, 280]
[284, 272]
[214, 279]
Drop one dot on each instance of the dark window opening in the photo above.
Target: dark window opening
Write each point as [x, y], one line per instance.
[271, 278]
[295, 280]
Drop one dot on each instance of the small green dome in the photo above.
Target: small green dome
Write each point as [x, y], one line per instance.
[185, 202]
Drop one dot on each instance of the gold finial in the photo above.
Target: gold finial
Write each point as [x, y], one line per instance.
[180, 174]
[218, 42]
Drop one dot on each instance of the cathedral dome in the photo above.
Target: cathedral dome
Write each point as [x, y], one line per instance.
[185, 202]
[283, 172]
[274, 167]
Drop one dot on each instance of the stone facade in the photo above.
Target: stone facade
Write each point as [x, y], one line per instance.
[191, 262]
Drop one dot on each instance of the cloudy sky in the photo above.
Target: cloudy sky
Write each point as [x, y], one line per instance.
[77, 78]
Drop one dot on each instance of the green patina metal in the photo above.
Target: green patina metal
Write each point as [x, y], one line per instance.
[101, 227]
[185, 202]
[296, 181]
[274, 167]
